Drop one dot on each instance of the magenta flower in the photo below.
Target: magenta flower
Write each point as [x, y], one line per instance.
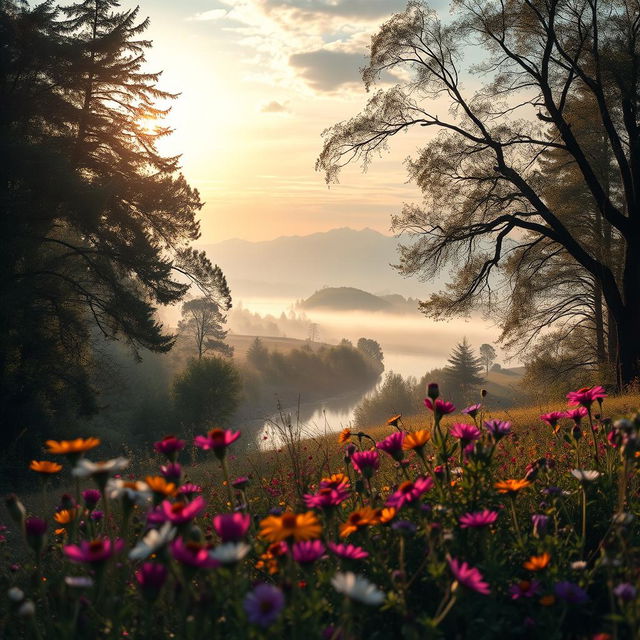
[94, 552]
[586, 396]
[172, 471]
[366, 462]
[218, 440]
[169, 446]
[263, 605]
[232, 527]
[392, 445]
[477, 519]
[465, 432]
[469, 577]
[439, 407]
[348, 551]
[553, 418]
[193, 554]
[472, 410]
[308, 551]
[524, 589]
[326, 498]
[240, 483]
[409, 492]
[151, 576]
[498, 429]
[182, 512]
[189, 489]
[91, 498]
[576, 414]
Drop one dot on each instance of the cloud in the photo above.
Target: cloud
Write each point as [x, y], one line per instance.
[273, 107]
[328, 70]
[352, 9]
[213, 14]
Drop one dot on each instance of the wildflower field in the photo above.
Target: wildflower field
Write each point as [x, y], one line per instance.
[453, 524]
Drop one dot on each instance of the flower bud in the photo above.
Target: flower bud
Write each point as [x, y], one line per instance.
[433, 390]
[16, 509]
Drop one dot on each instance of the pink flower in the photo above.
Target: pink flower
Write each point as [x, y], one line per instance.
[477, 519]
[232, 527]
[469, 577]
[465, 432]
[171, 472]
[409, 492]
[151, 576]
[392, 445]
[189, 489]
[553, 418]
[440, 408]
[472, 410]
[524, 589]
[348, 551]
[193, 554]
[181, 512]
[586, 396]
[326, 498]
[576, 414]
[498, 428]
[218, 440]
[307, 552]
[93, 552]
[365, 462]
[169, 446]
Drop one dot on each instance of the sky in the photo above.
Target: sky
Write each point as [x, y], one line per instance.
[259, 80]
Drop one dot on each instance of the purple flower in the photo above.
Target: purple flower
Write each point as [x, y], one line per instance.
[524, 589]
[469, 577]
[308, 551]
[366, 462]
[263, 605]
[172, 471]
[232, 527]
[193, 554]
[409, 492]
[466, 433]
[472, 410]
[91, 498]
[625, 591]
[94, 552]
[498, 429]
[540, 524]
[570, 592]
[348, 551]
[96, 516]
[477, 519]
[392, 445]
[404, 526]
[35, 526]
[151, 576]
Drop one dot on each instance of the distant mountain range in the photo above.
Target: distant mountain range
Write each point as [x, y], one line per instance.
[352, 299]
[294, 266]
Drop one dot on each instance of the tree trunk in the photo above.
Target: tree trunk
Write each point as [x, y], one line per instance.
[628, 317]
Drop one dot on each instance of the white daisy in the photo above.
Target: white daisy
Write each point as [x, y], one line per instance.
[585, 475]
[86, 469]
[136, 491]
[153, 541]
[357, 588]
[230, 552]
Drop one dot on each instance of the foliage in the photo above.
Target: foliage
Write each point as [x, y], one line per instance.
[396, 395]
[487, 356]
[462, 376]
[202, 321]
[371, 348]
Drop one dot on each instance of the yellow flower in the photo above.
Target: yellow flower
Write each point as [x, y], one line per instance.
[511, 486]
[65, 447]
[158, 484]
[537, 563]
[359, 519]
[335, 480]
[45, 466]
[298, 526]
[345, 436]
[66, 516]
[393, 420]
[416, 439]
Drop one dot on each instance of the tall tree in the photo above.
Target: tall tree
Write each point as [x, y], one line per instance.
[487, 356]
[481, 176]
[462, 375]
[203, 320]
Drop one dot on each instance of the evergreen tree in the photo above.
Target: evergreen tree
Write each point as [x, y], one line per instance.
[258, 355]
[203, 321]
[463, 376]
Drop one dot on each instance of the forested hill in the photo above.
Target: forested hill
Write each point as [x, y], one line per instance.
[351, 299]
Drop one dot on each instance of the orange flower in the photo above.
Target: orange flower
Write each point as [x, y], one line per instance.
[547, 601]
[537, 563]
[359, 519]
[511, 486]
[66, 516]
[334, 481]
[45, 466]
[65, 447]
[299, 526]
[386, 514]
[416, 439]
[158, 484]
[345, 436]
[393, 420]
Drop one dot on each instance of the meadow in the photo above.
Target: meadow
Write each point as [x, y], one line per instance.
[454, 523]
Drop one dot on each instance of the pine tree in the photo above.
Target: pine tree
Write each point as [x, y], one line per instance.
[463, 373]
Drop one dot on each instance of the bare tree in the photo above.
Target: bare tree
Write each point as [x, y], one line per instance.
[481, 174]
[203, 320]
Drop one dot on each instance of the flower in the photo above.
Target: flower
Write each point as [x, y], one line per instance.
[537, 563]
[540, 523]
[466, 433]
[66, 447]
[297, 526]
[79, 582]
[193, 554]
[307, 552]
[151, 577]
[553, 418]
[182, 512]
[335, 481]
[625, 591]
[65, 516]
[576, 414]
[100, 471]
[45, 466]
[416, 439]
[393, 420]
[345, 435]
[34, 530]
[366, 462]
[498, 429]
[472, 410]
[91, 498]
[357, 588]
[263, 605]
[586, 396]
[172, 471]
[439, 407]
[240, 482]
[511, 486]
[218, 440]
[326, 498]
[231, 527]
[136, 491]
[348, 551]
[357, 520]
[433, 390]
[477, 519]
[585, 476]
[169, 446]
[392, 445]
[409, 492]
[160, 486]
[570, 592]
[230, 552]
[153, 541]
[94, 552]
[524, 589]
[467, 576]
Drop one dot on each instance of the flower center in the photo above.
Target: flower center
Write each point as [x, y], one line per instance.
[96, 546]
[406, 486]
[289, 521]
[177, 507]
